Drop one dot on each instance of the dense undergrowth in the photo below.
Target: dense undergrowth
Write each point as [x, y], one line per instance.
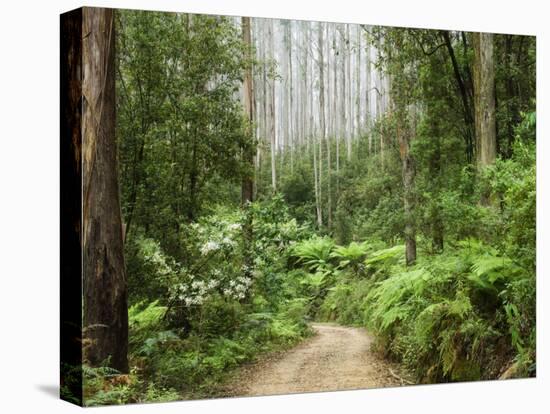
[451, 317]
[214, 312]
[464, 313]
[213, 284]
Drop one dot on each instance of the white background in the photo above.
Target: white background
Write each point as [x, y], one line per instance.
[29, 206]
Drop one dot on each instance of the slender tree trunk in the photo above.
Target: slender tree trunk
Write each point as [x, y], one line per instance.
[322, 119]
[248, 152]
[327, 136]
[307, 118]
[435, 172]
[265, 101]
[316, 188]
[358, 84]
[367, 96]
[409, 171]
[105, 291]
[379, 95]
[291, 96]
[343, 118]
[335, 130]
[272, 115]
[349, 103]
[465, 97]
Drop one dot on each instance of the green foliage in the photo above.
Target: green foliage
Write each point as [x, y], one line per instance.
[383, 260]
[345, 302]
[105, 386]
[314, 253]
[446, 317]
[213, 284]
[351, 255]
[143, 321]
[210, 312]
[179, 125]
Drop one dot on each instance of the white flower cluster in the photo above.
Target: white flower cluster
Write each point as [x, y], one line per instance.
[213, 245]
[199, 286]
[197, 291]
[209, 246]
[191, 295]
[196, 300]
[237, 288]
[226, 241]
[234, 227]
[245, 281]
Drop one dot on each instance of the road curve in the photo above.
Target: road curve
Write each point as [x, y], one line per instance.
[336, 358]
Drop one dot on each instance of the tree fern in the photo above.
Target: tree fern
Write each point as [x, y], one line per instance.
[382, 259]
[314, 252]
[352, 254]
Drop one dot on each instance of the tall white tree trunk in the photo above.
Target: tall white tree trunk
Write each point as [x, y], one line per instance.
[272, 114]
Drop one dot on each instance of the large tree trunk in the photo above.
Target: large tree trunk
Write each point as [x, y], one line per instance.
[105, 295]
[484, 97]
[247, 188]
[484, 102]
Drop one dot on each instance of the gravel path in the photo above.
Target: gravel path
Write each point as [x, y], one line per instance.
[336, 358]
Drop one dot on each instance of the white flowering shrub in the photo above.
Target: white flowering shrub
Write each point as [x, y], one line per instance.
[216, 266]
[217, 269]
[224, 299]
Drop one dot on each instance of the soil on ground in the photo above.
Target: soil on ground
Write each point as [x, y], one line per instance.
[336, 358]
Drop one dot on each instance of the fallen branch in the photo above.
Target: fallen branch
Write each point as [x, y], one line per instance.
[402, 380]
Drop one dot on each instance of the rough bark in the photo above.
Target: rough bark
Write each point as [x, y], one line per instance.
[484, 96]
[247, 187]
[484, 103]
[409, 172]
[105, 295]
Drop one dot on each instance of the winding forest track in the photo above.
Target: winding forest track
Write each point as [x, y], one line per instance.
[336, 358]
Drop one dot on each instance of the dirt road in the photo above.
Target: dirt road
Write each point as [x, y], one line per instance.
[336, 358]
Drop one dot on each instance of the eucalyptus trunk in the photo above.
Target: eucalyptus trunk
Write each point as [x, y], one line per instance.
[105, 290]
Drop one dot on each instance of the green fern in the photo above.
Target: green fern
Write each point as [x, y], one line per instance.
[383, 259]
[352, 254]
[314, 253]
[487, 269]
